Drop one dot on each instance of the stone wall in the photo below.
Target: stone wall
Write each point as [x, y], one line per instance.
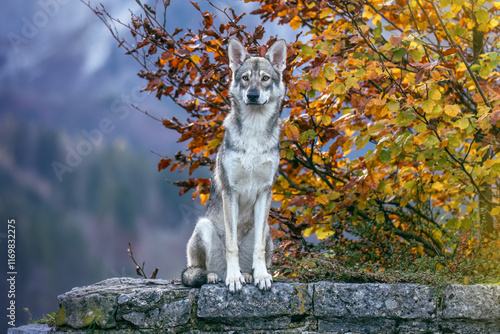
[126, 305]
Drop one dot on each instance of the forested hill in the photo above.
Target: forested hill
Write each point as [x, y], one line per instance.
[76, 231]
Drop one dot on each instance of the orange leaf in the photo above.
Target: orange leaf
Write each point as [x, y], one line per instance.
[449, 51]
[164, 163]
[292, 132]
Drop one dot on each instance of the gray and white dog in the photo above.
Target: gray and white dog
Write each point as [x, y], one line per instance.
[232, 241]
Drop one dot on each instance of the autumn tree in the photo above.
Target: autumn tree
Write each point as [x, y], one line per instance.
[390, 139]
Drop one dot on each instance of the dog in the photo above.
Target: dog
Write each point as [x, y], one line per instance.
[232, 240]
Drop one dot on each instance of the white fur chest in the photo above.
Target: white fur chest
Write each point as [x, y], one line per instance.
[249, 175]
[252, 162]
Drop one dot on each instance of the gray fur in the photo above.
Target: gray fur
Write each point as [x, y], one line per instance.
[232, 241]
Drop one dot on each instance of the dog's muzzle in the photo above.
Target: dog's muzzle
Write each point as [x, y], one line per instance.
[253, 97]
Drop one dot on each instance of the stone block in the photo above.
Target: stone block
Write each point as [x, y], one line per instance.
[478, 302]
[147, 304]
[254, 308]
[373, 300]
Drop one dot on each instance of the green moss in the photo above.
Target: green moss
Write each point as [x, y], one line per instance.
[60, 318]
[47, 319]
[326, 267]
[91, 317]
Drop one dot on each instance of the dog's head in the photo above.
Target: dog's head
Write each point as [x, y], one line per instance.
[257, 80]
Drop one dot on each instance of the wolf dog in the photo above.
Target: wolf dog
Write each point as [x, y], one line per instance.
[232, 241]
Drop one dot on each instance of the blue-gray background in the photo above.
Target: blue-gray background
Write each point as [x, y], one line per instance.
[61, 77]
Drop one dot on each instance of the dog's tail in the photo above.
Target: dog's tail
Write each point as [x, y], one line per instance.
[194, 277]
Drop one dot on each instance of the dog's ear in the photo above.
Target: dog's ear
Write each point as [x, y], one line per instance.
[237, 54]
[277, 55]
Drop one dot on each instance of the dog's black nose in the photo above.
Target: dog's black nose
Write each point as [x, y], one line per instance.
[253, 95]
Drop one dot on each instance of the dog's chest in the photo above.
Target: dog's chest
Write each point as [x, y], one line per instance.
[251, 158]
[252, 168]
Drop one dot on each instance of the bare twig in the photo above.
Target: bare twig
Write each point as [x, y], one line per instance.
[140, 269]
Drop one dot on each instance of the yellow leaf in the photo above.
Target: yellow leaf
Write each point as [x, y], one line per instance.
[351, 82]
[434, 94]
[326, 47]
[278, 197]
[436, 111]
[439, 266]
[448, 15]
[420, 250]
[195, 59]
[437, 234]
[495, 211]
[490, 162]
[333, 195]
[456, 5]
[322, 199]
[323, 233]
[296, 22]
[319, 84]
[330, 34]
[204, 198]
[361, 141]
[339, 89]
[462, 123]
[348, 144]
[308, 51]
[428, 105]
[436, 75]
[213, 143]
[364, 28]
[388, 190]
[393, 106]
[360, 73]
[349, 132]
[308, 231]
[329, 73]
[461, 67]
[421, 138]
[437, 186]
[325, 12]
[452, 110]
[367, 14]
[482, 16]
[326, 120]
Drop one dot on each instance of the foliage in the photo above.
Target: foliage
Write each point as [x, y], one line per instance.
[327, 267]
[391, 142]
[47, 319]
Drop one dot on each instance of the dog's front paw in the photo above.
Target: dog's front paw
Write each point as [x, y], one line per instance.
[213, 278]
[263, 280]
[235, 281]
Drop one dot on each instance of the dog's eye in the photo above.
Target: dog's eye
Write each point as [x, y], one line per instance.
[265, 78]
[245, 78]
